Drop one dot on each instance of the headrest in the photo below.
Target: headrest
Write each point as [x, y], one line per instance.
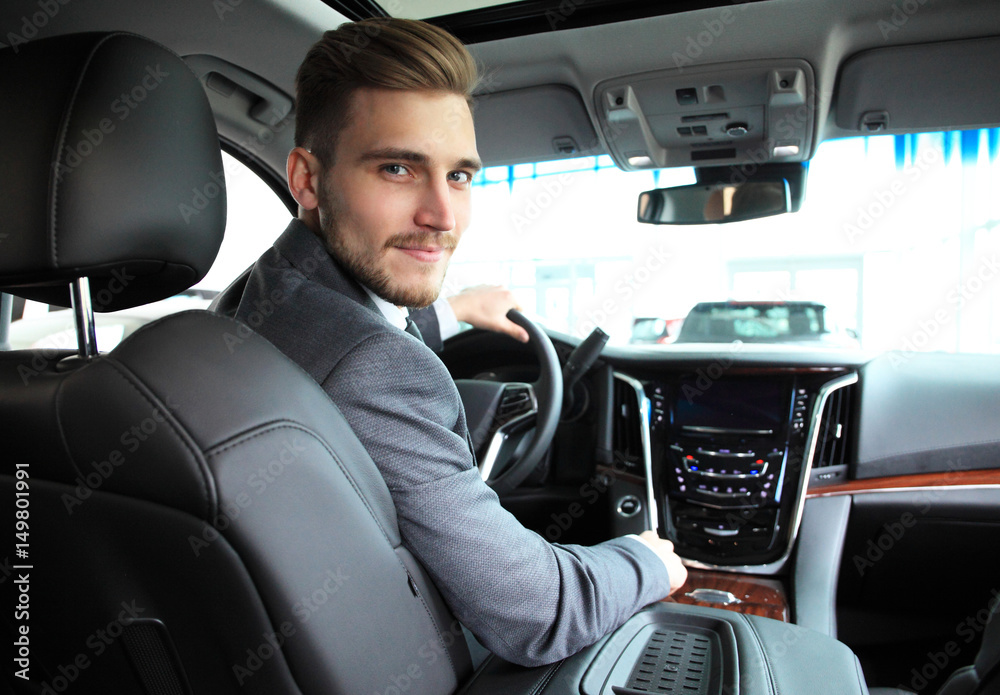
[111, 170]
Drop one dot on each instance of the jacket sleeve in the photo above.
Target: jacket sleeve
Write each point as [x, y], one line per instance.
[529, 601]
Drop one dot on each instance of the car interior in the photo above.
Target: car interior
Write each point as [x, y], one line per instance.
[838, 509]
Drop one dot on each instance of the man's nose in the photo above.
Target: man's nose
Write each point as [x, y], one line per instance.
[436, 209]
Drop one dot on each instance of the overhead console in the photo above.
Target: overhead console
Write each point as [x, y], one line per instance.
[714, 115]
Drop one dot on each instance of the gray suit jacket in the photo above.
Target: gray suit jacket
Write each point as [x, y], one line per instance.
[527, 600]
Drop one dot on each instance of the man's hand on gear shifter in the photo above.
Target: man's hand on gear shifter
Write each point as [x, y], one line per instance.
[665, 549]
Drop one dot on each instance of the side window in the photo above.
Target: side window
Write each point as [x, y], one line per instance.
[254, 219]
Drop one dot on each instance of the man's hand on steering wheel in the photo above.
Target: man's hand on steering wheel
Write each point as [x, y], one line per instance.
[512, 424]
[486, 307]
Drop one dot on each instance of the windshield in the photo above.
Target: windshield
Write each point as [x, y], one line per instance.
[898, 239]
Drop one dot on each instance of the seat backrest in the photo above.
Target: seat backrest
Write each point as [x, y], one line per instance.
[201, 518]
[983, 676]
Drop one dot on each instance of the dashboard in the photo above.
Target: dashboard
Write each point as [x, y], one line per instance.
[719, 449]
[833, 489]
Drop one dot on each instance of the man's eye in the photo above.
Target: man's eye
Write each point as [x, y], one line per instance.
[394, 169]
[460, 176]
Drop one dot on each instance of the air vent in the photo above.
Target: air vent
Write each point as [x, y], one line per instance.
[516, 400]
[831, 445]
[627, 427]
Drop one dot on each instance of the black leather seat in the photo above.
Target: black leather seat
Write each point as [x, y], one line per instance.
[201, 518]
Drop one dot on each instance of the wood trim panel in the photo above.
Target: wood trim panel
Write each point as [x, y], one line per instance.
[757, 595]
[902, 482]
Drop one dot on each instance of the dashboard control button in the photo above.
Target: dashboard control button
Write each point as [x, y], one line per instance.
[629, 506]
[724, 532]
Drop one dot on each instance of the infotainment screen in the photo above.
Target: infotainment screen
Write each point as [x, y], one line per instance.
[744, 404]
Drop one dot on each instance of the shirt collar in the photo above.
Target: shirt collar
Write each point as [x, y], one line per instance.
[395, 315]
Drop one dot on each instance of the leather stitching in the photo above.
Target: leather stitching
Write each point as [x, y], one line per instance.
[763, 653]
[60, 146]
[547, 677]
[208, 482]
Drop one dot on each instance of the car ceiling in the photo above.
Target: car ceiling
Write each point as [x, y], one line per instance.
[269, 37]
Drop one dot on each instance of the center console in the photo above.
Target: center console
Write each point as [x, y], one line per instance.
[688, 649]
[729, 459]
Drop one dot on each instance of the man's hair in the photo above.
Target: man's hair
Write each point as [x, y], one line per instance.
[385, 53]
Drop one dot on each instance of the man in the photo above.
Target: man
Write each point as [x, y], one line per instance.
[384, 159]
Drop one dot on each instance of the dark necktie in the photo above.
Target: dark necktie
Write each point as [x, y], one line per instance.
[412, 329]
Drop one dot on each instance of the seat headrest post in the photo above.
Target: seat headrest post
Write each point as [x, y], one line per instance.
[83, 314]
[6, 310]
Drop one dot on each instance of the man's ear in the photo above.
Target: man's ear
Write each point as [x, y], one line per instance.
[303, 170]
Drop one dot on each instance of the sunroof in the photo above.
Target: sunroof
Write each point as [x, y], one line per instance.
[474, 21]
[423, 9]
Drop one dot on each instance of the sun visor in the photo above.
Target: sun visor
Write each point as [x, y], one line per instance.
[551, 123]
[947, 85]
[725, 114]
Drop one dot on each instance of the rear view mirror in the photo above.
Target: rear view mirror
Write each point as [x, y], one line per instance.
[714, 203]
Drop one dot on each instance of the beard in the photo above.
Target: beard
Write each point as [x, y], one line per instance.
[367, 264]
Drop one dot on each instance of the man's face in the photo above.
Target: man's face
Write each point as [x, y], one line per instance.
[395, 202]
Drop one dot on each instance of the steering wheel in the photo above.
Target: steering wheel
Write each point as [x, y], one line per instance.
[512, 423]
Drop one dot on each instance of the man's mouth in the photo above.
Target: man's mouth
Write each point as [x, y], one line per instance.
[426, 254]
[424, 247]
